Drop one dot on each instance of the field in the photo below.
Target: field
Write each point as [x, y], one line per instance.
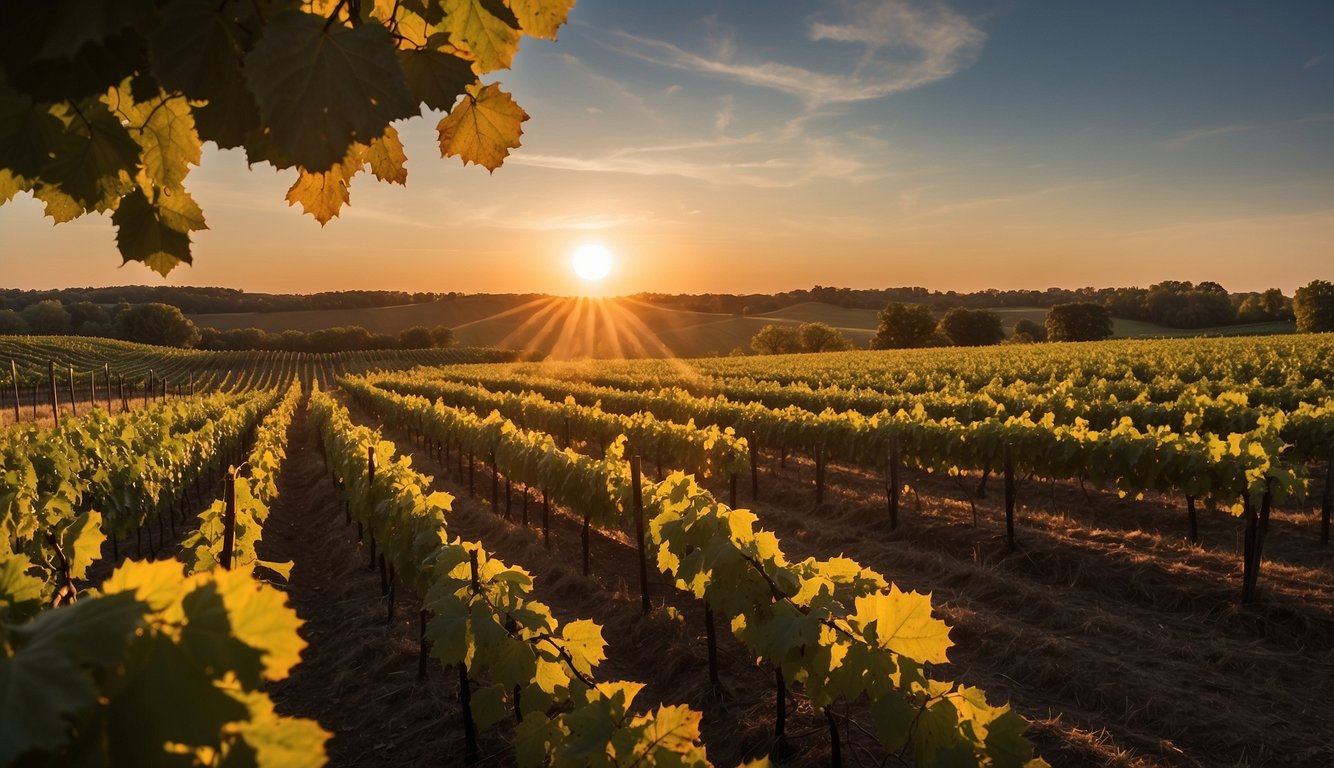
[531, 324]
[1121, 540]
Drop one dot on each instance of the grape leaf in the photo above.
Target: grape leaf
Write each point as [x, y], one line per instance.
[483, 128]
[58, 205]
[152, 232]
[165, 129]
[437, 79]
[904, 624]
[28, 134]
[473, 26]
[320, 90]
[541, 18]
[386, 157]
[96, 159]
[322, 195]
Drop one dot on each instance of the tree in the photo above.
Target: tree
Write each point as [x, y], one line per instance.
[1276, 305]
[416, 337]
[1079, 321]
[903, 326]
[819, 337]
[1033, 330]
[160, 324]
[442, 336]
[1313, 305]
[12, 323]
[47, 318]
[105, 110]
[972, 327]
[776, 339]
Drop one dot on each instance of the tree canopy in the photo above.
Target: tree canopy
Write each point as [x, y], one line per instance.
[1079, 321]
[104, 107]
[905, 325]
[1313, 304]
[972, 327]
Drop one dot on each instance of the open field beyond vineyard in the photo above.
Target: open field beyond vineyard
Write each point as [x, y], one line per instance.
[1124, 541]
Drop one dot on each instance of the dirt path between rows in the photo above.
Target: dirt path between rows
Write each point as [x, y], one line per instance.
[358, 675]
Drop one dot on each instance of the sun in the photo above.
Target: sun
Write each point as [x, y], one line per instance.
[591, 262]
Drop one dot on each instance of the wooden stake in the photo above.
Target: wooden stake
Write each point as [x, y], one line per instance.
[55, 415]
[228, 519]
[106, 369]
[892, 486]
[14, 372]
[1192, 520]
[712, 636]
[638, 496]
[73, 401]
[1326, 503]
[1009, 495]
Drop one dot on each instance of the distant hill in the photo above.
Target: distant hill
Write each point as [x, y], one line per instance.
[624, 327]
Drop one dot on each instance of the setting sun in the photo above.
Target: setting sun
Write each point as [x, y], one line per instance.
[591, 262]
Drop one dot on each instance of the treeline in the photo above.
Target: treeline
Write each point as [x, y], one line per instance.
[165, 325]
[210, 300]
[1172, 303]
[341, 339]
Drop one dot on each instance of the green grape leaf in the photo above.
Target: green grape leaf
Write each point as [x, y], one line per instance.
[437, 79]
[483, 128]
[541, 18]
[150, 232]
[82, 542]
[28, 134]
[44, 681]
[197, 50]
[78, 24]
[472, 25]
[320, 90]
[488, 706]
[20, 594]
[96, 160]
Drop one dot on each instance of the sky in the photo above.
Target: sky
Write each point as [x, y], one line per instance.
[743, 147]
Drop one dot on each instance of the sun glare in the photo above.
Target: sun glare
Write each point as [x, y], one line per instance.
[591, 262]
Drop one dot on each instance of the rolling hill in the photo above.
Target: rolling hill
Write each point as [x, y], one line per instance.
[620, 327]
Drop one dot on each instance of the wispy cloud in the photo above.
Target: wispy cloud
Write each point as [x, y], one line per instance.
[905, 45]
[783, 158]
[1315, 61]
[1208, 132]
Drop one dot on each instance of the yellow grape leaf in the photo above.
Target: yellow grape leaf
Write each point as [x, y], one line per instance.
[483, 128]
[262, 620]
[904, 624]
[322, 195]
[489, 38]
[541, 18]
[387, 158]
[582, 640]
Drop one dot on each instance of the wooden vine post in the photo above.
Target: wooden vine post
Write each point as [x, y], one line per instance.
[1326, 503]
[754, 469]
[819, 474]
[51, 371]
[1009, 495]
[14, 373]
[106, 369]
[637, 493]
[228, 518]
[465, 685]
[1192, 520]
[73, 401]
[892, 486]
[1257, 527]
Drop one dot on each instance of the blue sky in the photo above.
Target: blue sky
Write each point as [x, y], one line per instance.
[712, 147]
